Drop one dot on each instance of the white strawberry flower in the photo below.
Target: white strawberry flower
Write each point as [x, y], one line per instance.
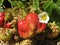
[43, 17]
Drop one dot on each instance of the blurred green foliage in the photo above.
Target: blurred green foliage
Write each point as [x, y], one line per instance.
[1, 2]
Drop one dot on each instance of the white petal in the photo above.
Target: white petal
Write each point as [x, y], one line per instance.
[41, 20]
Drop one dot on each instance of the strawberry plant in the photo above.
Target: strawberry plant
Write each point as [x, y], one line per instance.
[28, 18]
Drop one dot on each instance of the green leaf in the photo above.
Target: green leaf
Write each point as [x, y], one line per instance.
[13, 3]
[47, 4]
[23, 0]
[19, 3]
[57, 8]
[58, 24]
[1, 2]
[36, 4]
[16, 3]
[58, 2]
[49, 9]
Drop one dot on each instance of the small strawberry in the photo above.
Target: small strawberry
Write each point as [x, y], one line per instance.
[32, 20]
[41, 27]
[1, 21]
[8, 25]
[2, 15]
[24, 30]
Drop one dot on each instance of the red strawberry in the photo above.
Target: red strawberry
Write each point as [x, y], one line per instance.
[41, 27]
[2, 15]
[23, 29]
[1, 21]
[22, 25]
[32, 20]
[7, 25]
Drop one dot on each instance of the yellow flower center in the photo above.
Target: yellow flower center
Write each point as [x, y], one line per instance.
[44, 17]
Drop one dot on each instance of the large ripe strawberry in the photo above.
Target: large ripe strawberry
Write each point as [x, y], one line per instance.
[24, 30]
[41, 27]
[2, 15]
[32, 20]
